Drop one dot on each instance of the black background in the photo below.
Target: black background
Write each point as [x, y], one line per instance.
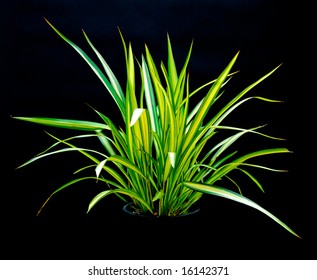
[43, 76]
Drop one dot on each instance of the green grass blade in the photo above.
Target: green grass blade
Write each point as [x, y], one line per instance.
[95, 68]
[252, 178]
[59, 151]
[221, 171]
[66, 140]
[66, 123]
[118, 137]
[225, 193]
[127, 163]
[156, 84]
[207, 102]
[150, 98]
[172, 71]
[225, 110]
[179, 89]
[129, 193]
[113, 80]
[105, 142]
[264, 167]
[82, 151]
[65, 186]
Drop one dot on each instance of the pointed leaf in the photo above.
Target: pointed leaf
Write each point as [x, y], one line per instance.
[207, 102]
[112, 77]
[60, 151]
[150, 98]
[225, 193]
[105, 142]
[158, 195]
[66, 123]
[129, 193]
[172, 72]
[63, 187]
[125, 162]
[95, 68]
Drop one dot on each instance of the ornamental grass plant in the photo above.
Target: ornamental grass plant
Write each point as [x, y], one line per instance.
[159, 159]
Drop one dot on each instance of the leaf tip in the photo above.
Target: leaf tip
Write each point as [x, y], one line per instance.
[47, 21]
